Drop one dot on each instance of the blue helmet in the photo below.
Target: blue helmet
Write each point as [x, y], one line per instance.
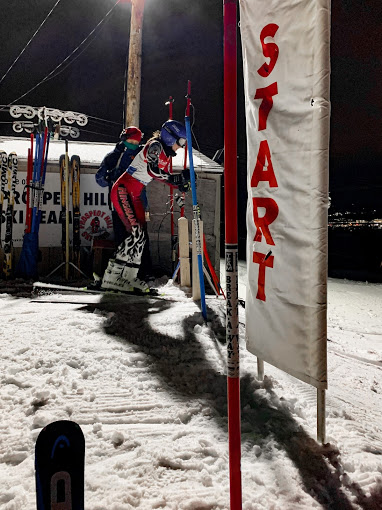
[172, 132]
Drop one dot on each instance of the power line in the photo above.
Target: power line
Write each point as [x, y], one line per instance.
[30, 40]
[97, 133]
[103, 120]
[49, 76]
[69, 63]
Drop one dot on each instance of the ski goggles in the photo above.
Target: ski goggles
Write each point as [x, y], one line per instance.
[181, 142]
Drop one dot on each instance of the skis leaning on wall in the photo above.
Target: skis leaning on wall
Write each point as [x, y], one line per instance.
[70, 173]
[27, 266]
[11, 179]
[75, 169]
[60, 467]
[64, 208]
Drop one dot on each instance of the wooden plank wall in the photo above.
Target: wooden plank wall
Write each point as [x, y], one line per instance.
[159, 228]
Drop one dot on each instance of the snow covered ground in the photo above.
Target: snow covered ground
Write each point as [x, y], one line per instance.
[145, 379]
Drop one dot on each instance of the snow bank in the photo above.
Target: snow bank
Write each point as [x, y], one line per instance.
[145, 379]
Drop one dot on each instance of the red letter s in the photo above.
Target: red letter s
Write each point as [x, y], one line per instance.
[270, 50]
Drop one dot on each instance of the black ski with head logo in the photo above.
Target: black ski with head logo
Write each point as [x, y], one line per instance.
[60, 465]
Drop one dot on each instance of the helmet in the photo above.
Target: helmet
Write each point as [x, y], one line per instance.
[131, 133]
[172, 132]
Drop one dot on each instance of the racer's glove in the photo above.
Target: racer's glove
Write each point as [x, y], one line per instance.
[186, 186]
[179, 200]
[181, 181]
[186, 174]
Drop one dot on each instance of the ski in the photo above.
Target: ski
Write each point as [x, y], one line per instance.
[29, 191]
[52, 287]
[60, 467]
[64, 209]
[4, 166]
[8, 240]
[75, 168]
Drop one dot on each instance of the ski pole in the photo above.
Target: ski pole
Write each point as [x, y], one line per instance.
[173, 237]
[212, 270]
[188, 104]
[29, 196]
[36, 196]
[175, 274]
[195, 209]
[42, 183]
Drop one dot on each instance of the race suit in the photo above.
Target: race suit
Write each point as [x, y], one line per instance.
[128, 193]
[129, 199]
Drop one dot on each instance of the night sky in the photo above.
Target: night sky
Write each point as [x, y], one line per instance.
[183, 41]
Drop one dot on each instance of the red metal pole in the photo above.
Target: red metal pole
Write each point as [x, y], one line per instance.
[231, 249]
[173, 252]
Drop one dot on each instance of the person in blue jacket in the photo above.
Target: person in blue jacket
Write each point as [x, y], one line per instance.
[114, 165]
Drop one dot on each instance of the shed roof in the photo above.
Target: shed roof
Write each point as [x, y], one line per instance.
[92, 153]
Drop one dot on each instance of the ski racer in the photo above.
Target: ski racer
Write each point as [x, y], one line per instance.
[127, 196]
[114, 165]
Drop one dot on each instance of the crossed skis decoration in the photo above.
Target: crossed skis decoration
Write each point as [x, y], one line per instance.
[43, 113]
[29, 127]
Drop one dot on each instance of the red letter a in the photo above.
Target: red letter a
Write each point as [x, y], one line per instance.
[263, 175]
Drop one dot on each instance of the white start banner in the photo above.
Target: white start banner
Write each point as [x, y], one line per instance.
[286, 64]
[96, 220]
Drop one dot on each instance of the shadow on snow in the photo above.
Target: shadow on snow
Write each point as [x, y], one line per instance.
[183, 368]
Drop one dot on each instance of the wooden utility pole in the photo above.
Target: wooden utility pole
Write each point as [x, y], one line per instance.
[133, 93]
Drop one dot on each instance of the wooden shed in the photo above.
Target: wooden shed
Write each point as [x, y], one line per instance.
[94, 203]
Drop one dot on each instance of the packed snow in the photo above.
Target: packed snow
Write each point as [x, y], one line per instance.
[145, 380]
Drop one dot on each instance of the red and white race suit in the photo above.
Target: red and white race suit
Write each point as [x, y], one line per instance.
[128, 192]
